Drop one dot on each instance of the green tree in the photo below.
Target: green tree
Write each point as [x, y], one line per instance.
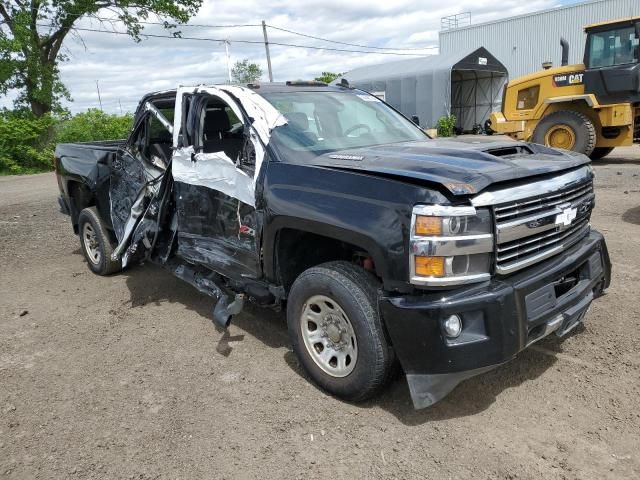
[32, 33]
[245, 72]
[24, 144]
[27, 143]
[93, 125]
[327, 77]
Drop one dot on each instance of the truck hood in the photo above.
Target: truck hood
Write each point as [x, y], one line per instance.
[462, 166]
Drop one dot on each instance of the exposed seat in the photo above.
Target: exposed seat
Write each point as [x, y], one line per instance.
[216, 134]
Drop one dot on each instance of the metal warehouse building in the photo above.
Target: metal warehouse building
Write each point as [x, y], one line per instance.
[523, 42]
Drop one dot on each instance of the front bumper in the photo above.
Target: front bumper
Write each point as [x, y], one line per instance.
[500, 318]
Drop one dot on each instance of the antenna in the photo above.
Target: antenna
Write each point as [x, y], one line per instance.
[226, 48]
[99, 98]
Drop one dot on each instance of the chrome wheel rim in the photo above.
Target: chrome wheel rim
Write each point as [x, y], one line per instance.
[329, 336]
[91, 244]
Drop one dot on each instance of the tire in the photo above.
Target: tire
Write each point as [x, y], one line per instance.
[566, 129]
[95, 243]
[600, 152]
[352, 292]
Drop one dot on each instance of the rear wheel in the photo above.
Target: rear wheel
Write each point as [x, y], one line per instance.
[95, 243]
[600, 152]
[336, 330]
[568, 130]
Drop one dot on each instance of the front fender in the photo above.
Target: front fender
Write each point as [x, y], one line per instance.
[372, 212]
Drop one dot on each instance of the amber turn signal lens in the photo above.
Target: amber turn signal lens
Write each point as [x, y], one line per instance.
[428, 225]
[430, 266]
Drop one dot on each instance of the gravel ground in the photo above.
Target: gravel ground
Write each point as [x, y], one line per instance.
[126, 376]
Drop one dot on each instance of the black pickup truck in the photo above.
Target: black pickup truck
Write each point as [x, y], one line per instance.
[383, 245]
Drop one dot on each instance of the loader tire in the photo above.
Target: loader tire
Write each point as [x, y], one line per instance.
[600, 152]
[568, 130]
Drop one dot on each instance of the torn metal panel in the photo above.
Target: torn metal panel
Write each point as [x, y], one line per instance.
[213, 170]
[128, 177]
[135, 213]
[217, 231]
[266, 117]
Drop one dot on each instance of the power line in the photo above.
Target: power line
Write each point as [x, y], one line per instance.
[196, 25]
[252, 42]
[346, 43]
[243, 25]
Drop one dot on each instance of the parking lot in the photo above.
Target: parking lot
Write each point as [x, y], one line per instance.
[127, 377]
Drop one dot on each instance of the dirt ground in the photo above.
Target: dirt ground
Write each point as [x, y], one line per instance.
[126, 376]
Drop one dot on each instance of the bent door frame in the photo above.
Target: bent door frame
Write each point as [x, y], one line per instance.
[218, 224]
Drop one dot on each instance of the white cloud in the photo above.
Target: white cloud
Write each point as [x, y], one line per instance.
[126, 69]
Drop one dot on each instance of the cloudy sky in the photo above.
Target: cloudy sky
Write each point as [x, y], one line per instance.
[126, 69]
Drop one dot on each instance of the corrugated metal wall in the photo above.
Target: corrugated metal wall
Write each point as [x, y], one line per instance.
[522, 43]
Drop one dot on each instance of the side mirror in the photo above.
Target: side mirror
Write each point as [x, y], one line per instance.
[415, 119]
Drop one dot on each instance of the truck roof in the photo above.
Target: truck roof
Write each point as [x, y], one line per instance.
[267, 87]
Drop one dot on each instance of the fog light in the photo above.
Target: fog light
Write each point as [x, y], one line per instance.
[452, 326]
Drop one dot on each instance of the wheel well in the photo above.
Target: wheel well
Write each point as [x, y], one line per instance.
[579, 106]
[80, 197]
[297, 250]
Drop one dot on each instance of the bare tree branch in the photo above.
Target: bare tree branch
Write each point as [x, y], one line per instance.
[6, 16]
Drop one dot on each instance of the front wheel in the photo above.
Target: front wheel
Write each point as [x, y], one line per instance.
[336, 330]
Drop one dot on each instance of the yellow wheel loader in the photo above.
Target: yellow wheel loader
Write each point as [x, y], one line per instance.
[588, 108]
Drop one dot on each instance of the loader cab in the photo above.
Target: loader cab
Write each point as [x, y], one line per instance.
[612, 61]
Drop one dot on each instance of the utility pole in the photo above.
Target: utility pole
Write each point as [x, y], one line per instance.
[99, 98]
[120, 103]
[226, 47]
[266, 47]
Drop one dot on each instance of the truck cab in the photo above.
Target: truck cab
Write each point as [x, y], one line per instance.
[383, 246]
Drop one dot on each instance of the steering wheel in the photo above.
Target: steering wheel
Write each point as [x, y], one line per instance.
[357, 126]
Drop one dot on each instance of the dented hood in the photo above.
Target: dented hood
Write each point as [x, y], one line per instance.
[462, 166]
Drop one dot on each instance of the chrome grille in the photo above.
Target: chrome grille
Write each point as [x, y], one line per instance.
[534, 206]
[531, 229]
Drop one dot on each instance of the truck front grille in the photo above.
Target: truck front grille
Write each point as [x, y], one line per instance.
[531, 229]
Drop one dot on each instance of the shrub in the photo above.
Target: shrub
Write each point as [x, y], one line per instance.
[27, 144]
[93, 125]
[446, 126]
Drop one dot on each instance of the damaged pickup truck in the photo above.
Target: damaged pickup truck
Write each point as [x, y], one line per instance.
[383, 245]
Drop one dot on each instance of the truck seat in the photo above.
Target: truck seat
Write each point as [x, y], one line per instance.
[298, 128]
[217, 137]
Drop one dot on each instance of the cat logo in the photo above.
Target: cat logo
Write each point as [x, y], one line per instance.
[568, 79]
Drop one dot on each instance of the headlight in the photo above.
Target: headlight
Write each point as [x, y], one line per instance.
[450, 245]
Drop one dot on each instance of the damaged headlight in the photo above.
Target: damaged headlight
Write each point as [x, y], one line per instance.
[450, 245]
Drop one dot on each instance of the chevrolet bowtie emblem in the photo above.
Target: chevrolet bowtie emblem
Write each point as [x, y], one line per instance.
[566, 217]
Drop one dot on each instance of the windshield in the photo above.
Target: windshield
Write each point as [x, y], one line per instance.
[613, 47]
[321, 122]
